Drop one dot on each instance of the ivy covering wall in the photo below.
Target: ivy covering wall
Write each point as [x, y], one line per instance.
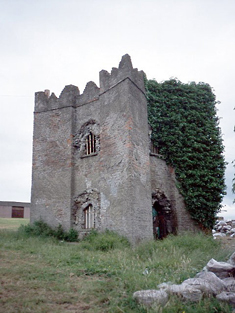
[185, 129]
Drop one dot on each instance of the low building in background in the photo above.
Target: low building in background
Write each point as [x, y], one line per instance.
[9, 209]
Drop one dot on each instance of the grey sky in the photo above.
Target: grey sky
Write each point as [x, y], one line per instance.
[48, 44]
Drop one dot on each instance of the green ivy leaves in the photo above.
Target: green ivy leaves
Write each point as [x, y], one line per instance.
[186, 132]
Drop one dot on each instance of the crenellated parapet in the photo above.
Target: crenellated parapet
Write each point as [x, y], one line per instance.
[70, 95]
[42, 101]
[90, 93]
[46, 102]
[124, 71]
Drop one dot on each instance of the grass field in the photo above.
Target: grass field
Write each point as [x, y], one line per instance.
[46, 275]
[12, 223]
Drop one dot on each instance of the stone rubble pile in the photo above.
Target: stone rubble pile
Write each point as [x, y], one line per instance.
[222, 229]
[217, 279]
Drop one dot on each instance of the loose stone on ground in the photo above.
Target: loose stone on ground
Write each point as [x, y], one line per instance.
[217, 279]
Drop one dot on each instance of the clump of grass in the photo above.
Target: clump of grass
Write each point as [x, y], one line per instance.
[185, 244]
[177, 258]
[207, 305]
[42, 229]
[105, 241]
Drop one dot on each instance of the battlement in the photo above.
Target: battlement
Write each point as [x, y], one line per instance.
[125, 70]
[46, 102]
[90, 93]
[70, 95]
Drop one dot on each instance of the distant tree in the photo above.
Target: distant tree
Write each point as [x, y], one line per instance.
[186, 133]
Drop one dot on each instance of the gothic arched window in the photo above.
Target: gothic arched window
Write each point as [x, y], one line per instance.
[87, 140]
[89, 217]
[90, 144]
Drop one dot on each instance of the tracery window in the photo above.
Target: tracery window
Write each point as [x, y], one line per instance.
[87, 139]
[89, 217]
[90, 145]
[86, 211]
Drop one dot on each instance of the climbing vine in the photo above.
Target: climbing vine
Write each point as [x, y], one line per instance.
[185, 130]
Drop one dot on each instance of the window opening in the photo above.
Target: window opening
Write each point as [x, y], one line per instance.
[154, 149]
[17, 212]
[89, 217]
[90, 146]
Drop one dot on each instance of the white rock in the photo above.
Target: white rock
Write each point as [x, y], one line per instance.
[212, 279]
[231, 260]
[227, 297]
[185, 292]
[165, 285]
[202, 285]
[219, 235]
[229, 283]
[151, 296]
[226, 228]
[221, 269]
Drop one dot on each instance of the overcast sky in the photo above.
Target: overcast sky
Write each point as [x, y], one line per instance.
[47, 44]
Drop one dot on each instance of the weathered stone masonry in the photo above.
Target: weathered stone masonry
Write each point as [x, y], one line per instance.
[91, 160]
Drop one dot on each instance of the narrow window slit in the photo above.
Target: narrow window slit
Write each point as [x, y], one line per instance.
[90, 144]
[89, 217]
[154, 149]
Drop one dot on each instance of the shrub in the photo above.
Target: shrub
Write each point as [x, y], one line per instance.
[38, 228]
[71, 235]
[42, 229]
[59, 232]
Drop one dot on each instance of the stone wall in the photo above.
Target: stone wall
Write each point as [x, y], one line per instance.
[115, 180]
[52, 166]
[164, 183]
[124, 164]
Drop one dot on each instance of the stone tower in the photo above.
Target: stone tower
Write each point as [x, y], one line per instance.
[91, 161]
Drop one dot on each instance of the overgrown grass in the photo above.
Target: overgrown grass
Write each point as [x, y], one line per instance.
[105, 241]
[40, 228]
[100, 274]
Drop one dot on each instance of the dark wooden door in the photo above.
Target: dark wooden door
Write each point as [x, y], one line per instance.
[17, 212]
